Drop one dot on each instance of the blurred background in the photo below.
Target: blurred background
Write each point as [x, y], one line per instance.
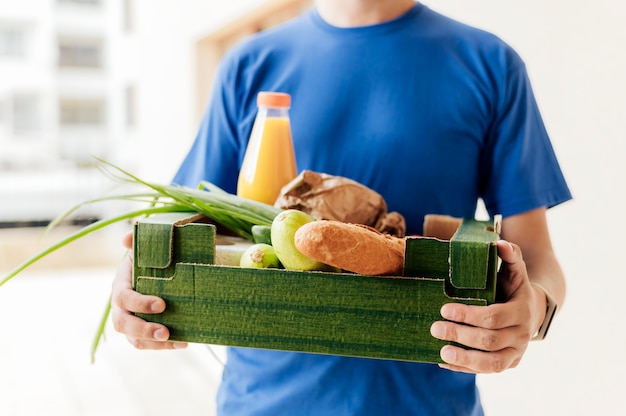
[127, 80]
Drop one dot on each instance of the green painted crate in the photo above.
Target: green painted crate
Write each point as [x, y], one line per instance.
[317, 312]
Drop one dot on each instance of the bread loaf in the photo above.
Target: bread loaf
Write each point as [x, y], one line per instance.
[352, 247]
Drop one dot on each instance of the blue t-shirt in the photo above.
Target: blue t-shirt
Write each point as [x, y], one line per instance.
[429, 112]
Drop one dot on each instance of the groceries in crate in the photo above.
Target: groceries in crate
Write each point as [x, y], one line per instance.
[300, 242]
[259, 256]
[354, 247]
[283, 229]
[340, 225]
[328, 197]
[268, 175]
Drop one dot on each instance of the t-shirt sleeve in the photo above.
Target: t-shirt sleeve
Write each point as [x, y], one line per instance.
[214, 154]
[520, 169]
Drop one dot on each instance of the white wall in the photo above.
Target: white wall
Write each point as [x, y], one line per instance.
[165, 37]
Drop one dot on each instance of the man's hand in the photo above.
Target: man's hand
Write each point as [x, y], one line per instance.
[499, 333]
[125, 302]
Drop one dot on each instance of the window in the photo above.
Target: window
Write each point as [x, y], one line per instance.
[80, 53]
[26, 113]
[81, 112]
[12, 42]
[20, 114]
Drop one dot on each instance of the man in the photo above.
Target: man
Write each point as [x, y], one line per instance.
[433, 115]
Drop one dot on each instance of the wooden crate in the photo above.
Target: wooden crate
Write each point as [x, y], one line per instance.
[316, 312]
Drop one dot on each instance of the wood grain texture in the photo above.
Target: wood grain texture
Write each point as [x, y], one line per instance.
[316, 312]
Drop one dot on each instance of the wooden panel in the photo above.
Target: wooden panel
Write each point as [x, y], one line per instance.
[317, 312]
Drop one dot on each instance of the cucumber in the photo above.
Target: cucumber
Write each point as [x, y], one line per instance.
[262, 234]
[259, 256]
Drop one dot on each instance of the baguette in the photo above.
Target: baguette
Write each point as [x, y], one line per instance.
[352, 247]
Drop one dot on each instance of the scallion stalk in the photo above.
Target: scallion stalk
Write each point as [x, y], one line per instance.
[235, 213]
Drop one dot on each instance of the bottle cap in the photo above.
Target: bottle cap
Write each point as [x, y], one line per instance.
[273, 99]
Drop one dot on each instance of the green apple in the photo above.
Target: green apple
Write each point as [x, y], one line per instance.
[283, 230]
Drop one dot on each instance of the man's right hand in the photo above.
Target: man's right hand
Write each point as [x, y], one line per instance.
[125, 301]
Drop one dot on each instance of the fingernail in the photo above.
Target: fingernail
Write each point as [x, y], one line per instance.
[508, 244]
[160, 334]
[447, 311]
[179, 345]
[448, 354]
[437, 330]
[155, 307]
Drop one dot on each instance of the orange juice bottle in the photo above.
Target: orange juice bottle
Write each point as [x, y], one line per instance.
[269, 162]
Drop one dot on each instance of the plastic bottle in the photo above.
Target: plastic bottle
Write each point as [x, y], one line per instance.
[269, 162]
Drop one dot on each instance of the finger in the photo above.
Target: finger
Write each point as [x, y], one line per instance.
[142, 334]
[495, 316]
[144, 344]
[124, 276]
[129, 300]
[473, 337]
[125, 301]
[509, 252]
[513, 273]
[474, 361]
[125, 298]
[135, 327]
[127, 240]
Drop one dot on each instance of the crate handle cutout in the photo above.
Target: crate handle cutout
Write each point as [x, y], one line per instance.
[469, 253]
[160, 254]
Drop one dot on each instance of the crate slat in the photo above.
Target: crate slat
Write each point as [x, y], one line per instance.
[316, 312]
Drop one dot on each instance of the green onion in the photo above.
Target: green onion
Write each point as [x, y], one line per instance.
[100, 331]
[83, 232]
[235, 213]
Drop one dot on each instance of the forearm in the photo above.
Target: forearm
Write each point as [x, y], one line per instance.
[530, 232]
[546, 273]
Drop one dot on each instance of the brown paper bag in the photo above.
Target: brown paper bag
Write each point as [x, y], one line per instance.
[328, 197]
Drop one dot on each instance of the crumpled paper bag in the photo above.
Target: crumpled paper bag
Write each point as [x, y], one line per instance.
[328, 197]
